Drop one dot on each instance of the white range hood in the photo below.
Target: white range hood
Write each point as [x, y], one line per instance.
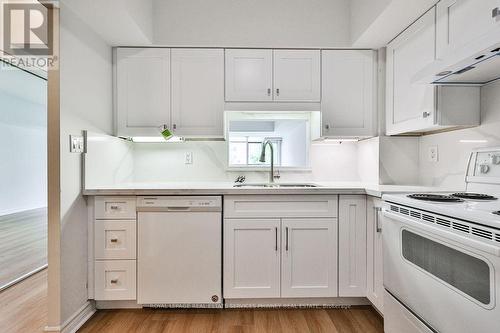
[476, 63]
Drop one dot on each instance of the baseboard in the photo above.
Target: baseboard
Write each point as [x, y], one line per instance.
[333, 302]
[76, 321]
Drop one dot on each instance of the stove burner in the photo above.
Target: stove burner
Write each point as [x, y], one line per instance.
[474, 196]
[497, 212]
[434, 197]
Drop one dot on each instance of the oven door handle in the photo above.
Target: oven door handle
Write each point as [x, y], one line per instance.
[494, 250]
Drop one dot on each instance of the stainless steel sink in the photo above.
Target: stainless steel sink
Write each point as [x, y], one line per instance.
[269, 185]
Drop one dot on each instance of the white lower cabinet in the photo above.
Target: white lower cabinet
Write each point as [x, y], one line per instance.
[251, 258]
[115, 280]
[374, 268]
[280, 255]
[352, 246]
[309, 258]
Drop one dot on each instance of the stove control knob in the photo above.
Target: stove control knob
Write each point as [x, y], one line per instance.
[484, 168]
[495, 159]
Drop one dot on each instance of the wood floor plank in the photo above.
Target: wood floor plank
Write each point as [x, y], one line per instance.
[23, 307]
[23, 244]
[358, 319]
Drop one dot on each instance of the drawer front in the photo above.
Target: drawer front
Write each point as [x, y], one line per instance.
[115, 239]
[115, 280]
[245, 206]
[115, 208]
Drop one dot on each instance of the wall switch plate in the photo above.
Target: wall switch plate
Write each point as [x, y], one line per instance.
[76, 144]
[188, 158]
[433, 154]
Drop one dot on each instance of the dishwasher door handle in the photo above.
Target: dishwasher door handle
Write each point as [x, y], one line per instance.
[178, 209]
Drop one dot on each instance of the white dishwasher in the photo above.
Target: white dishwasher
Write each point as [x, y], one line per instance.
[179, 244]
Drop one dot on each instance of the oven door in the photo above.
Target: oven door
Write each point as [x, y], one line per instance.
[445, 279]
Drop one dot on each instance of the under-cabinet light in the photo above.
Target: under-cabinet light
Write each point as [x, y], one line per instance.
[157, 139]
[473, 141]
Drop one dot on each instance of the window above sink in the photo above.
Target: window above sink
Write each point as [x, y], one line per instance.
[290, 134]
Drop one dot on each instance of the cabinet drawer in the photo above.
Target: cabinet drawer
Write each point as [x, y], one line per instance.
[115, 239]
[280, 206]
[115, 208]
[115, 280]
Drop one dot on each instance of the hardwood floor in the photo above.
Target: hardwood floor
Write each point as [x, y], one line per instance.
[356, 319]
[23, 307]
[23, 244]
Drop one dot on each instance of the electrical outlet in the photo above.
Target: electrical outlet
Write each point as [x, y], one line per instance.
[188, 158]
[76, 144]
[433, 154]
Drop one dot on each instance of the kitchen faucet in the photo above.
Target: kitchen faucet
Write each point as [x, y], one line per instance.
[263, 158]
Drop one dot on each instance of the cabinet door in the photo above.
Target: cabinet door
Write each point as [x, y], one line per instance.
[352, 246]
[249, 75]
[348, 91]
[462, 21]
[309, 258]
[297, 75]
[198, 92]
[374, 269]
[410, 106]
[251, 258]
[142, 91]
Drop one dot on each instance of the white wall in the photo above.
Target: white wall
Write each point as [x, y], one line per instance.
[86, 103]
[118, 22]
[363, 13]
[449, 171]
[375, 22]
[23, 141]
[252, 23]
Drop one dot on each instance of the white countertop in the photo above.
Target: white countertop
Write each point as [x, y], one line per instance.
[224, 188]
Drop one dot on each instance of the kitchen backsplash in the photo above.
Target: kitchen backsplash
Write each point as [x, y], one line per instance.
[454, 147]
[166, 163]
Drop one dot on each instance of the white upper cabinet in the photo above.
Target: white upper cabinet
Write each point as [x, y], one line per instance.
[410, 106]
[198, 92]
[348, 103]
[142, 90]
[297, 75]
[413, 107]
[462, 21]
[249, 75]
[267, 75]
[309, 258]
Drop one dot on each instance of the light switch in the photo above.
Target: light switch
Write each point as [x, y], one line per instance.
[188, 158]
[433, 154]
[76, 144]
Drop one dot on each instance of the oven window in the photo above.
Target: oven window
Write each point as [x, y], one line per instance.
[464, 272]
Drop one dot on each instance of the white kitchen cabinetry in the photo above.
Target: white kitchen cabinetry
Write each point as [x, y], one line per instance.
[198, 92]
[460, 22]
[352, 246]
[374, 268]
[269, 253]
[249, 75]
[297, 75]
[272, 75]
[309, 253]
[142, 91]
[416, 108]
[252, 258]
[348, 103]
[115, 244]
